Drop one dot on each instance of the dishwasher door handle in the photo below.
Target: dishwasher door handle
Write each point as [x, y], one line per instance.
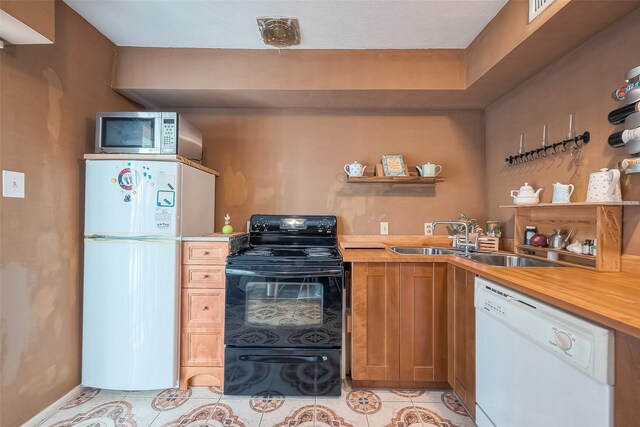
[516, 300]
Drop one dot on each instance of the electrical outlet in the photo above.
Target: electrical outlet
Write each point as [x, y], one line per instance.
[384, 227]
[13, 184]
[428, 229]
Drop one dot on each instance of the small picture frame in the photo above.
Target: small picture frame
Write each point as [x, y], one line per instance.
[393, 165]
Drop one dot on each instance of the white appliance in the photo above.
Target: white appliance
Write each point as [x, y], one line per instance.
[537, 365]
[135, 214]
[146, 132]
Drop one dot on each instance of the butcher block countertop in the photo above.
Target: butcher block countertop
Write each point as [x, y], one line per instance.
[611, 299]
[214, 237]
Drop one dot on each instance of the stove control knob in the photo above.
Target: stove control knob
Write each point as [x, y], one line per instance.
[563, 340]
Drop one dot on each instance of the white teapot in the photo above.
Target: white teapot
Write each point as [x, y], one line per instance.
[354, 169]
[526, 195]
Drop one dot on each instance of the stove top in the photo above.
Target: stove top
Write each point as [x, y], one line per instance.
[279, 254]
[291, 240]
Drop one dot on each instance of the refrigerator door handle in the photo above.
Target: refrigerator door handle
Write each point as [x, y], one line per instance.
[100, 237]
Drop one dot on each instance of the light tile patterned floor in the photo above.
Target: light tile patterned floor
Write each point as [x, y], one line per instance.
[208, 407]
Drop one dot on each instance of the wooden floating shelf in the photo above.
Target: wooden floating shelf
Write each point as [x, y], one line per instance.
[393, 180]
[378, 177]
[560, 252]
[560, 205]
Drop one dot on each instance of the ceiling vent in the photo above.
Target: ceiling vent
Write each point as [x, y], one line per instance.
[536, 7]
[280, 32]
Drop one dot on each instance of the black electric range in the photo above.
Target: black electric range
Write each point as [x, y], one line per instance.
[283, 318]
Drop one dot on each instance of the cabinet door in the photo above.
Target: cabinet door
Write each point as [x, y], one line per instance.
[460, 340]
[205, 252]
[202, 348]
[375, 307]
[423, 322]
[202, 308]
[470, 355]
[462, 333]
[203, 276]
[451, 375]
[202, 327]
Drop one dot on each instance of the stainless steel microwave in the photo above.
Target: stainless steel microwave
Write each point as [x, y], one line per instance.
[147, 132]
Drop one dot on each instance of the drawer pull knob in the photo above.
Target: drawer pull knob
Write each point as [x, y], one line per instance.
[205, 308]
[206, 276]
[206, 252]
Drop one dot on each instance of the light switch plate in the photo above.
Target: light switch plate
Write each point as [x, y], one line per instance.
[12, 184]
[384, 227]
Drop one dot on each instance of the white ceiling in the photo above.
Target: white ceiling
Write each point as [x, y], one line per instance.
[324, 24]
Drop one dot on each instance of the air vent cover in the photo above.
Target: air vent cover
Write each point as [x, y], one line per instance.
[536, 7]
[280, 32]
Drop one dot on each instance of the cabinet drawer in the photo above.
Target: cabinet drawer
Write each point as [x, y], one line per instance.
[203, 276]
[202, 348]
[202, 308]
[204, 252]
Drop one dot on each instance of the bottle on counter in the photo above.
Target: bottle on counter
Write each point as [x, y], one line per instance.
[529, 232]
[594, 247]
[586, 248]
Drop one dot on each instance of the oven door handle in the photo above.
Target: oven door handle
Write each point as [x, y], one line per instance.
[281, 274]
[282, 359]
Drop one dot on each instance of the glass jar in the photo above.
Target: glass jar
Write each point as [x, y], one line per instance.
[494, 229]
[529, 232]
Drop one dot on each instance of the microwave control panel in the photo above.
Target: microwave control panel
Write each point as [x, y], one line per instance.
[169, 133]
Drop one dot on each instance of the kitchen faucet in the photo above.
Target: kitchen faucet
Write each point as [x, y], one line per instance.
[466, 245]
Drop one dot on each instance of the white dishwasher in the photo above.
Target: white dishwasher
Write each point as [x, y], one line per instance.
[539, 366]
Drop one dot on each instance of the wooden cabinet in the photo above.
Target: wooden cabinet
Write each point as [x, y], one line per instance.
[202, 319]
[399, 324]
[588, 220]
[627, 380]
[462, 335]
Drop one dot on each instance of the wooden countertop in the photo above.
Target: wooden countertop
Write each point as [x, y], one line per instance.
[214, 237]
[611, 299]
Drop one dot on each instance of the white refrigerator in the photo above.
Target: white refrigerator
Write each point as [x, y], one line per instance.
[135, 215]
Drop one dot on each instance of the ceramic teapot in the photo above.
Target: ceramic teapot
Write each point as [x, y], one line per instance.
[429, 170]
[526, 195]
[354, 169]
[562, 193]
[604, 186]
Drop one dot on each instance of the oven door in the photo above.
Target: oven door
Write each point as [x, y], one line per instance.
[284, 306]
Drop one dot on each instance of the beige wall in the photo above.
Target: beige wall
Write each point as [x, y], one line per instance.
[286, 161]
[580, 83]
[49, 97]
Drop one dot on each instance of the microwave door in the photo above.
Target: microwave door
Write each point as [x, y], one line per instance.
[129, 133]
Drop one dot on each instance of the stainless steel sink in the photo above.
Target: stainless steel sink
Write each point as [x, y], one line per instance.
[423, 250]
[505, 260]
